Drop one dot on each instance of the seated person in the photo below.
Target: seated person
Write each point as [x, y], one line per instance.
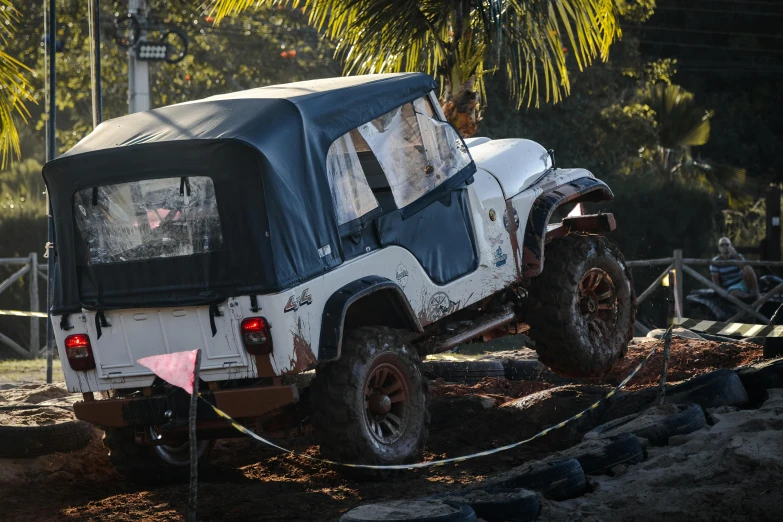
[734, 278]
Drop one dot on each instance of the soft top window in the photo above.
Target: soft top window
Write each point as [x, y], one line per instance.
[148, 219]
[351, 194]
[416, 151]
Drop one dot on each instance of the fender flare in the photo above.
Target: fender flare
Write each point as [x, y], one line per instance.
[336, 309]
[578, 190]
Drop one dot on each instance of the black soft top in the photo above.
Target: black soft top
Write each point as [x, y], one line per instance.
[265, 150]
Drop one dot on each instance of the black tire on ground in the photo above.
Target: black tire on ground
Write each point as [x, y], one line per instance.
[468, 372]
[558, 480]
[150, 465]
[626, 449]
[498, 504]
[33, 441]
[411, 510]
[370, 406]
[655, 428]
[583, 306]
[712, 390]
[532, 370]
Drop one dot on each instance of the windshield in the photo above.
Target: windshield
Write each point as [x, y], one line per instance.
[148, 219]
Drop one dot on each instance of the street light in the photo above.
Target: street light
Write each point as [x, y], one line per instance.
[152, 51]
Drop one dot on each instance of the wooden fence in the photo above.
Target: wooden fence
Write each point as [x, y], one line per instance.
[30, 268]
[678, 267]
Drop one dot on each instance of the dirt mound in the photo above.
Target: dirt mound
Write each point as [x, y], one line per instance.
[36, 404]
[688, 358]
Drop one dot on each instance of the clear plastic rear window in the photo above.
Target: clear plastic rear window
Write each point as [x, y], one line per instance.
[148, 219]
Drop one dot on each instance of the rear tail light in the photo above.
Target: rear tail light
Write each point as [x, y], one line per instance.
[256, 336]
[79, 352]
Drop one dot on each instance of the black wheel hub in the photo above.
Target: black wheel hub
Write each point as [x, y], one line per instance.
[385, 396]
[597, 300]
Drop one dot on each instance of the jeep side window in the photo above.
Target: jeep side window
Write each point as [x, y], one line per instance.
[351, 194]
[416, 151]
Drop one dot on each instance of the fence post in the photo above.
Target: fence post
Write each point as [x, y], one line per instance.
[773, 224]
[35, 341]
[679, 276]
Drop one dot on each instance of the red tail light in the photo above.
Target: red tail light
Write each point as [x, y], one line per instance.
[79, 352]
[256, 336]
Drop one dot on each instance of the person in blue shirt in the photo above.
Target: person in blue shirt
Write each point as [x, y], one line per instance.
[736, 279]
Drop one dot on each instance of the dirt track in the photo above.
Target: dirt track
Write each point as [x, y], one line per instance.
[249, 482]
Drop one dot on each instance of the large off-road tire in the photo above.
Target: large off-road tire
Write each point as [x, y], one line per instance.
[150, 465]
[583, 306]
[370, 406]
[18, 442]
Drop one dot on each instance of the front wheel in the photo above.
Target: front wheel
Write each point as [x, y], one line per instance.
[370, 406]
[583, 306]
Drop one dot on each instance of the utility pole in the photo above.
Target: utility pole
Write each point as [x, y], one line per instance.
[95, 61]
[138, 70]
[51, 152]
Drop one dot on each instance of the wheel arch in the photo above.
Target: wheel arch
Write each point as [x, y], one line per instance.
[383, 303]
[587, 189]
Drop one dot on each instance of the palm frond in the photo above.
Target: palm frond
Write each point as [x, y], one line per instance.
[374, 36]
[15, 88]
[679, 121]
[722, 176]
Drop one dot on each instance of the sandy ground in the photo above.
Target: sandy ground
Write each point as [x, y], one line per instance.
[246, 481]
[35, 404]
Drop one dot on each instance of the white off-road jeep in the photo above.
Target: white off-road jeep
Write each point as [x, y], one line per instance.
[337, 225]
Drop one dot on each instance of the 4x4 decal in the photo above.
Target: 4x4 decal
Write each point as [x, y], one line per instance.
[294, 303]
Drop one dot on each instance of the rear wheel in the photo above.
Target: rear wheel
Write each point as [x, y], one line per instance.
[151, 465]
[583, 307]
[370, 406]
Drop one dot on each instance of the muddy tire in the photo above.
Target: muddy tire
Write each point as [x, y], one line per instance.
[370, 406]
[33, 441]
[583, 307]
[150, 465]
[656, 424]
[625, 450]
[411, 511]
[468, 372]
[558, 480]
[497, 504]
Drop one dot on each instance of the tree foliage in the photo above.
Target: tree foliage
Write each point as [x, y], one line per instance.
[265, 47]
[15, 88]
[680, 126]
[459, 41]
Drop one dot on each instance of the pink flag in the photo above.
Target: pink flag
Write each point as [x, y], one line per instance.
[174, 368]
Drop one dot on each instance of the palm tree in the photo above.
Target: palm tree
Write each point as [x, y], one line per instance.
[459, 41]
[15, 87]
[680, 126]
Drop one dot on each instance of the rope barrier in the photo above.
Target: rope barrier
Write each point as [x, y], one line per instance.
[19, 313]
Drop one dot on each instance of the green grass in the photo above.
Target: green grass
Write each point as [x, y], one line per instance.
[13, 371]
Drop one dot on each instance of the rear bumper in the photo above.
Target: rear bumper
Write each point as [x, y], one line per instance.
[143, 411]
